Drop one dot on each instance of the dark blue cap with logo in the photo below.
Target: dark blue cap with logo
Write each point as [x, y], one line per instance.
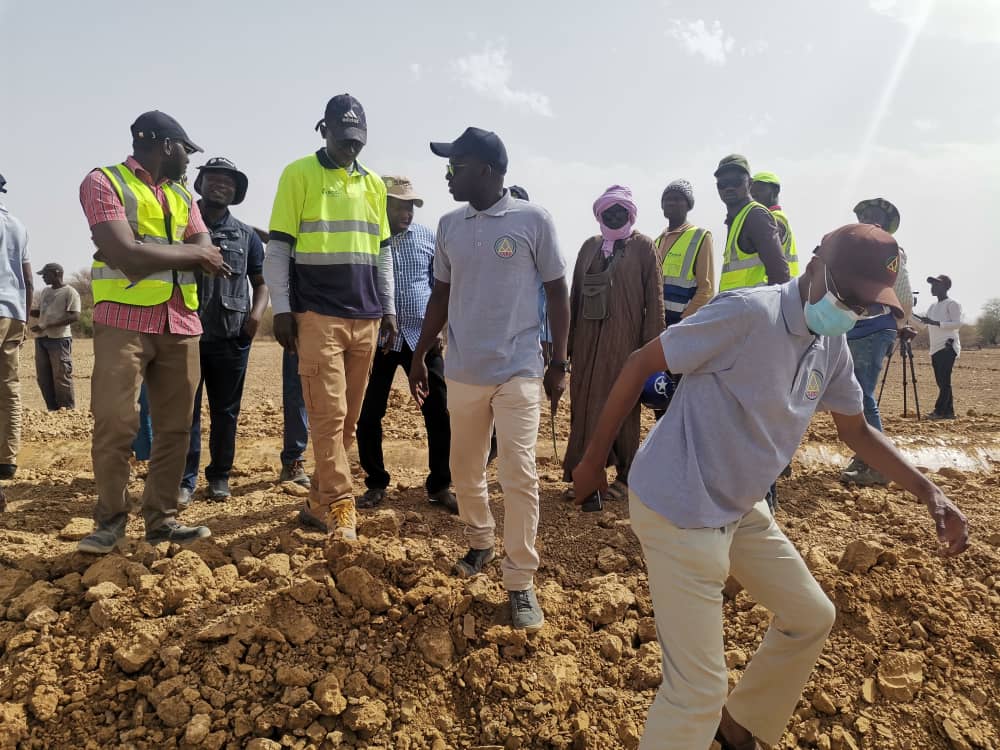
[482, 144]
[158, 126]
[345, 119]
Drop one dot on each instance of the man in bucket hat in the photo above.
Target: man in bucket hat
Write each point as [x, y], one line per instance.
[231, 310]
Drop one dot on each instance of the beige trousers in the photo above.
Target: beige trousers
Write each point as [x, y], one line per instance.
[335, 358]
[514, 407]
[171, 367]
[11, 338]
[687, 570]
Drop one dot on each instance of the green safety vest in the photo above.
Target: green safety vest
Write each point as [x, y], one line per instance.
[679, 284]
[788, 246]
[739, 269]
[149, 224]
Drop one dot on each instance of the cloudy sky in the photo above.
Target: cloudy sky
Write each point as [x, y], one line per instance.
[846, 100]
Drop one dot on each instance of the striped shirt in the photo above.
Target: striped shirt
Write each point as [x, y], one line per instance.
[101, 204]
[413, 272]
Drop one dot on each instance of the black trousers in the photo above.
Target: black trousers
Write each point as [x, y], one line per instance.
[435, 411]
[944, 362]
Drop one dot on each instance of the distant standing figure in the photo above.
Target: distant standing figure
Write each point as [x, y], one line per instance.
[15, 295]
[943, 320]
[58, 308]
[616, 306]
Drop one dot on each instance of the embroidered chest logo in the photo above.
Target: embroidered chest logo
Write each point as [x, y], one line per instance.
[332, 191]
[813, 385]
[505, 247]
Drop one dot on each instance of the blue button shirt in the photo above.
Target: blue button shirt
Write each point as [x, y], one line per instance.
[413, 270]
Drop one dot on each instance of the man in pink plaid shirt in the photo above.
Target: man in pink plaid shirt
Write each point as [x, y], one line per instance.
[150, 240]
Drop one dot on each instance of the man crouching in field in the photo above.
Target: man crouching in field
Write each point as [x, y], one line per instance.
[757, 363]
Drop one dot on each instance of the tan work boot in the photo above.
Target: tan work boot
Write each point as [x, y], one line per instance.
[343, 519]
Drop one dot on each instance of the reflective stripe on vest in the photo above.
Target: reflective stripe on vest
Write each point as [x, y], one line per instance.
[679, 284]
[788, 246]
[741, 269]
[148, 222]
[344, 228]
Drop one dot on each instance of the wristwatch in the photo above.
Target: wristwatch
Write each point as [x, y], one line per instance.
[561, 364]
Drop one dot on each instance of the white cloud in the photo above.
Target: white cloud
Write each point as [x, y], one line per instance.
[415, 71]
[966, 20]
[488, 74]
[698, 38]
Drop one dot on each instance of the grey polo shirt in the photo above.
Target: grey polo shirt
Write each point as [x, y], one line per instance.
[13, 254]
[495, 261]
[754, 375]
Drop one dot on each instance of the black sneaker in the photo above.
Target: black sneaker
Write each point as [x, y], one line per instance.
[218, 490]
[7, 471]
[446, 499]
[295, 472]
[173, 531]
[372, 498]
[474, 562]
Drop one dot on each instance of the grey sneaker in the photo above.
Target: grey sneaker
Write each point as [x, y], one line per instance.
[525, 614]
[869, 477]
[101, 540]
[295, 472]
[218, 490]
[474, 562]
[310, 519]
[175, 532]
[446, 499]
[184, 498]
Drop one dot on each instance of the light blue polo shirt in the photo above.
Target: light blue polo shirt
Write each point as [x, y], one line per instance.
[754, 375]
[14, 249]
[496, 260]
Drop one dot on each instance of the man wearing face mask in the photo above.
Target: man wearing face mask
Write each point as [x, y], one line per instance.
[753, 255]
[872, 338]
[151, 239]
[616, 306]
[757, 364]
[328, 267]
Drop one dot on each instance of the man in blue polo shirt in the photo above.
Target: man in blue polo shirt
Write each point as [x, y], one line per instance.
[757, 364]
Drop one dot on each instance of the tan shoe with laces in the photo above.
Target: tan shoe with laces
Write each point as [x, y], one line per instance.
[343, 519]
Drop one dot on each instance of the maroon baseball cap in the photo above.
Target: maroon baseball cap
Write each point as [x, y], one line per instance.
[941, 279]
[869, 257]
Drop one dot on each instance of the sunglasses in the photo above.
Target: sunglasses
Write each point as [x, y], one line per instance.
[728, 182]
[453, 168]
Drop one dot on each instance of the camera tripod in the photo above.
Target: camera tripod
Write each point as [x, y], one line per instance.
[905, 356]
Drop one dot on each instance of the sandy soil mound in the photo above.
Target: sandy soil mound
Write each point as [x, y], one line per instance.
[269, 636]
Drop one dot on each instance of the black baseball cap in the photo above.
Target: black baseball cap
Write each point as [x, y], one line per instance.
[485, 145]
[345, 118]
[222, 164]
[3, 184]
[158, 126]
[51, 267]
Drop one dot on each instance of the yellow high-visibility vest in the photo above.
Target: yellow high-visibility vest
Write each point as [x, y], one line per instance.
[739, 269]
[336, 218]
[149, 224]
[679, 284]
[788, 246]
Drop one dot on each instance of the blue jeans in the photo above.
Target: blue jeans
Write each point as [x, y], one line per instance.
[223, 373]
[296, 434]
[869, 353]
[142, 446]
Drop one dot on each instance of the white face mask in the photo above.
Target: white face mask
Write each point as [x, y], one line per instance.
[829, 316]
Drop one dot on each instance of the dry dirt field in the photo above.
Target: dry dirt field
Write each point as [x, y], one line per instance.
[264, 637]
